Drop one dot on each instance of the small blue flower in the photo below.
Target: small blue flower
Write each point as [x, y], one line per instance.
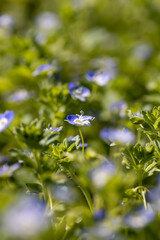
[154, 198]
[53, 130]
[99, 77]
[6, 21]
[140, 218]
[5, 119]
[113, 136]
[85, 145]
[80, 120]
[72, 138]
[80, 93]
[28, 153]
[118, 107]
[20, 95]
[7, 171]
[25, 218]
[99, 215]
[138, 114]
[102, 174]
[47, 22]
[44, 68]
[143, 52]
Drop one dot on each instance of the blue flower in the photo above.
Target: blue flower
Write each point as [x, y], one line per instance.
[80, 93]
[99, 215]
[72, 138]
[140, 218]
[102, 174]
[80, 120]
[154, 198]
[52, 130]
[20, 95]
[7, 171]
[143, 52]
[44, 68]
[47, 21]
[99, 77]
[25, 218]
[6, 21]
[5, 119]
[28, 153]
[113, 136]
[119, 107]
[85, 145]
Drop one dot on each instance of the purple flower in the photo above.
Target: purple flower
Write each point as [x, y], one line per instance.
[98, 77]
[139, 218]
[113, 136]
[5, 119]
[53, 130]
[80, 93]
[80, 120]
[44, 68]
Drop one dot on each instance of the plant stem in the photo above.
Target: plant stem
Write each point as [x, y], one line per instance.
[144, 199]
[82, 188]
[82, 140]
[84, 191]
[46, 192]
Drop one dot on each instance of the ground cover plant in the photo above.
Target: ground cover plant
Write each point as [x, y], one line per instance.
[79, 119]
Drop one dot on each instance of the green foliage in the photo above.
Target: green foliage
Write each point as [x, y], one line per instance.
[120, 38]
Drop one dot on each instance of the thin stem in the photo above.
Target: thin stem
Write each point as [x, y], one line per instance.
[82, 188]
[46, 192]
[140, 178]
[138, 136]
[144, 199]
[84, 191]
[82, 140]
[141, 187]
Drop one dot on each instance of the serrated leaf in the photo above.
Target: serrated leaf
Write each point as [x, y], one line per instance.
[71, 147]
[150, 167]
[138, 152]
[157, 123]
[149, 147]
[55, 151]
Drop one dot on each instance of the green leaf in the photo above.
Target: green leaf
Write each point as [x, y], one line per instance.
[71, 147]
[157, 123]
[34, 187]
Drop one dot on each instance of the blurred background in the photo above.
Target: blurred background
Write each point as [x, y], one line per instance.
[120, 37]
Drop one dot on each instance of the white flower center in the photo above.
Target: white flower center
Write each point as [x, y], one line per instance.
[78, 120]
[78, 91]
